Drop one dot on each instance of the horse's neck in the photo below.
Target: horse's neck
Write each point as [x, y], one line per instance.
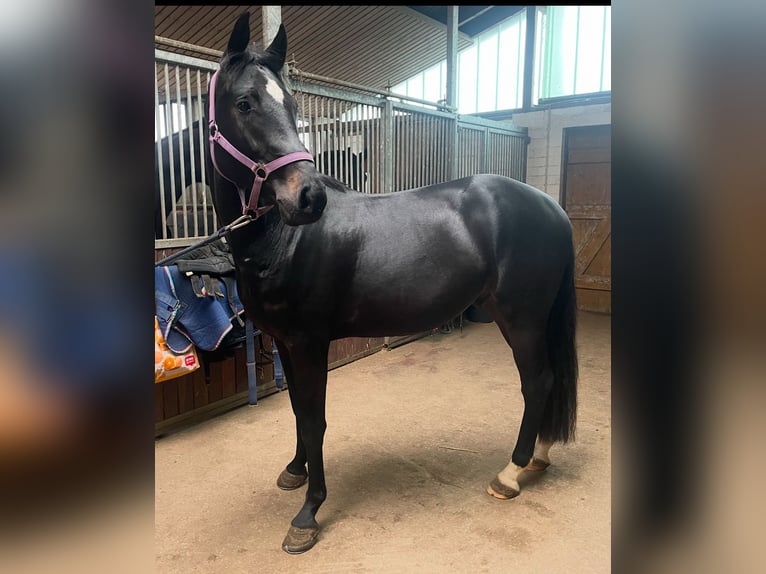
[264, 242]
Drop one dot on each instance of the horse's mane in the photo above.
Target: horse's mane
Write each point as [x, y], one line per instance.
[334, 184]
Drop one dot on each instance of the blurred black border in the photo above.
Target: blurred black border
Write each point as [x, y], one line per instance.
[655, 271]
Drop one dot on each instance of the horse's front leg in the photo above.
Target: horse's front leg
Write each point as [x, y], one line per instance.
[308, 386]
[294, 475]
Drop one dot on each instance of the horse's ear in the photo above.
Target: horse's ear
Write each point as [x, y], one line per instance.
[240, 35]
[276, 53]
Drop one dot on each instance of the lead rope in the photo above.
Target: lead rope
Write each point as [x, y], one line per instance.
[241, 221]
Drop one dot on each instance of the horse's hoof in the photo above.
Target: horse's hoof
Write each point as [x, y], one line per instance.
[290, 481]
[501, 491]
[537, 465]
[298, 540]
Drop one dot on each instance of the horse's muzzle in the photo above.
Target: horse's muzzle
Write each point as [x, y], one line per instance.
[299, 205]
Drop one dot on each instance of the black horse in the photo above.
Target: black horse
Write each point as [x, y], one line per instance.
[344, 164]
[329, 262]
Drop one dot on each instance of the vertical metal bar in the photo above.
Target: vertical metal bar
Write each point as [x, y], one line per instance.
[453, 148]
[342, 139]
[529, 58]
[408, 152]
[452, 22]
[359, 139]
[252, 381]
[352, 168]
[338, 141]
[431, 174]
[424, 149]
[278, 371]
[524, 150]
[377, 138]
[350, 146]
[321, 148]
[443, 173]
[160, 166]
[386, 143]
[326, 135]
[312, 135]
[331, 139]
[603, 51]
[400, 159]
[356, 133]
[171, 164]
[417, 147]
[423, 156]
[577, 49]
[405, 161]
[346, 145]
[192, 162]
[363, 130]
[181, 158]
[485, 152]
[512, 171]
[411, 151]
[369, 147]
[337, 133]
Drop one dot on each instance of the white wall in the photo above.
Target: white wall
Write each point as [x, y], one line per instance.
[546, 128]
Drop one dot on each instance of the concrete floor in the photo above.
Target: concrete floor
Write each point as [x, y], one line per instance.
[409, 451]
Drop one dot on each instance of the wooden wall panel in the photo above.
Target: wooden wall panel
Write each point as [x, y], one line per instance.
[587, 197]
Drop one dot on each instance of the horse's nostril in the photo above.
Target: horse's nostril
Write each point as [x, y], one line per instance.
[303, 198]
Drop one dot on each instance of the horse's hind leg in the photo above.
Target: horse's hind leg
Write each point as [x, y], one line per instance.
[530, 352]
[540, 459]
[295, 474]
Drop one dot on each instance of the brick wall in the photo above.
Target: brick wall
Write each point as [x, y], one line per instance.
[546, 129]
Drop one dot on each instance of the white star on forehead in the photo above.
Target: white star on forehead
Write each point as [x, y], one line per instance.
[273, 89]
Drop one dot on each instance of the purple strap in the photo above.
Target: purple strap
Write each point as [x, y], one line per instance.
[260, 171]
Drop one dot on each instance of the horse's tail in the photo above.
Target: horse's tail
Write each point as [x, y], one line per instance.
[560, 415]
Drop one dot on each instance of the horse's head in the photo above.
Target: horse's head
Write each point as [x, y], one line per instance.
[256, 113]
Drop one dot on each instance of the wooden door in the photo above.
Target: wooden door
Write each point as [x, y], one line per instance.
[587, 197]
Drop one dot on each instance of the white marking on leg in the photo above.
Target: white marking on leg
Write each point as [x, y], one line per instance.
[541, 451]
[275, 91]
[509, 476]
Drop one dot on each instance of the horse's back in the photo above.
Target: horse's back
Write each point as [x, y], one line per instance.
[430, 252]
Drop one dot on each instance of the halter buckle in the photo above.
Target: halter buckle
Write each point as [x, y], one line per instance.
[259, 169]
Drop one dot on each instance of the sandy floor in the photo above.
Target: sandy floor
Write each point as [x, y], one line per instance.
[408, 455]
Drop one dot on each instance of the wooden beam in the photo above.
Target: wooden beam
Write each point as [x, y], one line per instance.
[272, 18]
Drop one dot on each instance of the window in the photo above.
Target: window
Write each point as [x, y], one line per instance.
[490, 71]
[572, 56]
[572, 50]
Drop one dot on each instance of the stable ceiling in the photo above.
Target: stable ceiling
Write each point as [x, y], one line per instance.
[375, 46]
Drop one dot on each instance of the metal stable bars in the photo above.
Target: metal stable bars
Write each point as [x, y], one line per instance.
[373, 142]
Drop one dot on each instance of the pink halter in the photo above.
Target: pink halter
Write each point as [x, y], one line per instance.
[260, 171]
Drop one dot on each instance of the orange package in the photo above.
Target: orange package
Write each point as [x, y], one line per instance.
[167, 364]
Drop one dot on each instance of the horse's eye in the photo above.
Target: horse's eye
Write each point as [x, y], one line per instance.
[243, 107]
